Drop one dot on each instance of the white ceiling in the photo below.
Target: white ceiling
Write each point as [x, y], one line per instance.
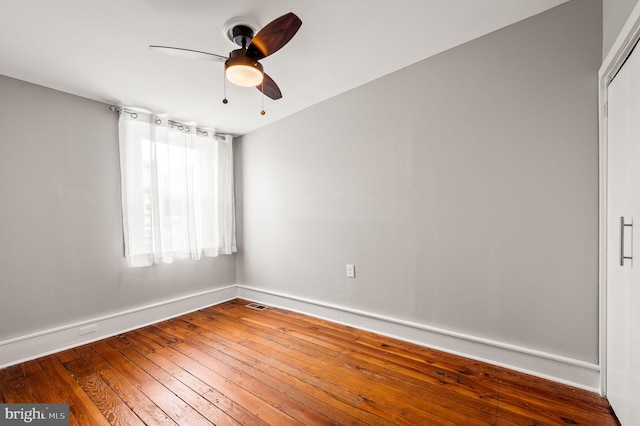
[99, 49]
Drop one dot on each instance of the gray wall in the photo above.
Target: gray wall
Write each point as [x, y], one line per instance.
[615, 14]
[61, 248]
[464, 188]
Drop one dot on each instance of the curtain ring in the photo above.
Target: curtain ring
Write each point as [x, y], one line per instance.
[158, 121]
[133, 114]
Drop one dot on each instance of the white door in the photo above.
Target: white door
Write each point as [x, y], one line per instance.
[623, 242]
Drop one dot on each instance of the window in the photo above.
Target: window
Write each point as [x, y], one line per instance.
[177, 191]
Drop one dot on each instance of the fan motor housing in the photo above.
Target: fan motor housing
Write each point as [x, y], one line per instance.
[239, 57]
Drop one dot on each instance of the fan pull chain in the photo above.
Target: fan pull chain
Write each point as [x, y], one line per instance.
[224, 83]
[263, 112]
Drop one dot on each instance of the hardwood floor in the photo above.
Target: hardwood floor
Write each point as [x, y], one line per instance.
[230, 364]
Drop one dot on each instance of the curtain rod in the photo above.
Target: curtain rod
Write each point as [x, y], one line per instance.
[180, 126]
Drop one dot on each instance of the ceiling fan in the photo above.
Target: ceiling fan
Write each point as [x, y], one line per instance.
[242, 66]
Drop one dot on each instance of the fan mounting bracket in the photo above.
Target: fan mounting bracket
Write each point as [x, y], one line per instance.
[238, 30]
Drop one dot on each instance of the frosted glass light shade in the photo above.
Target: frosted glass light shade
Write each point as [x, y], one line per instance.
[244, 75]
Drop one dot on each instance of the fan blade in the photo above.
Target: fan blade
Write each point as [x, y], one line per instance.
[269, 88]
[188, 53]
[274, 36]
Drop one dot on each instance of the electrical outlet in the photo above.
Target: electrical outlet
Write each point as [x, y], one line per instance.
[351, 271]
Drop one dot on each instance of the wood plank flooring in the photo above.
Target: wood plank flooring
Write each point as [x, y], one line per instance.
[230, 365]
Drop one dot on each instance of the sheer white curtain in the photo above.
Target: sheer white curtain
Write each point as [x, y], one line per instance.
[177, 191]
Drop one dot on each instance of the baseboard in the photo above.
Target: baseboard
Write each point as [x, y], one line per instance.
[573, 372]
[570, 371]
[24, 348]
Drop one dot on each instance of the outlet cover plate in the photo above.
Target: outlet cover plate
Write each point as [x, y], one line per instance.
[351, 271]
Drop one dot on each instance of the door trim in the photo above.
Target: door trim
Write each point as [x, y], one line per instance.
[627, 39]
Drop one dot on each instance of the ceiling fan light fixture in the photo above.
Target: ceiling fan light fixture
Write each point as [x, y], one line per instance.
[244, 75]
[242, 70]
[242, 67]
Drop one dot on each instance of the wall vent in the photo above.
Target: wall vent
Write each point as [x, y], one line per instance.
[256, 306]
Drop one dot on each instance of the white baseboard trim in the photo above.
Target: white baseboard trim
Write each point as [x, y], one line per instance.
[25, 348]
[569, 371]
